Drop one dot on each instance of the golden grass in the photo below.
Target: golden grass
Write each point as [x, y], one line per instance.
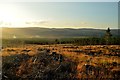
[69, 52]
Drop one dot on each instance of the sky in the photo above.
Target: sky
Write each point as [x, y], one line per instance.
[99, 15]
[59, 0]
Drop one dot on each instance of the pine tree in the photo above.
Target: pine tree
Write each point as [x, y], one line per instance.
[108, 36]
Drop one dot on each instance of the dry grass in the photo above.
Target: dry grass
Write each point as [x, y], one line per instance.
[102, 57]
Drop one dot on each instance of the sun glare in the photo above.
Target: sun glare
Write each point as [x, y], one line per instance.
[7, 13]
[10, 16]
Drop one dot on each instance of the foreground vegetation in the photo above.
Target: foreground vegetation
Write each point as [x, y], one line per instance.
[77, 62]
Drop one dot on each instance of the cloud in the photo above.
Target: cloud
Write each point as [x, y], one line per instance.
[5, 23]
[83, 23]
[37, 23]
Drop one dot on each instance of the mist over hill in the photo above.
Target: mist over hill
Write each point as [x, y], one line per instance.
[36, 32]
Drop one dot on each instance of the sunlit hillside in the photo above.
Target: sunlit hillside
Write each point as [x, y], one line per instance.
[36, 32]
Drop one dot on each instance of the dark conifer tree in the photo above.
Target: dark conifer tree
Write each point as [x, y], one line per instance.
[108, 36]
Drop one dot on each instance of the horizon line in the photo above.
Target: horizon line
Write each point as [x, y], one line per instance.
[62, 28]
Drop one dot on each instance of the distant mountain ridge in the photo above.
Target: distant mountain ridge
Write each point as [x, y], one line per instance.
[36, 32]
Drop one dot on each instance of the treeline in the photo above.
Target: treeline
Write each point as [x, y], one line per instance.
[97, 41]
[76, 41]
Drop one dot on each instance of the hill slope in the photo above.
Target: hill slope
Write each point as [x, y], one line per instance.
[53, 33]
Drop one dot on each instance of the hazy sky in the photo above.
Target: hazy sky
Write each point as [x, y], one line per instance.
[59, 14]
[59, 0]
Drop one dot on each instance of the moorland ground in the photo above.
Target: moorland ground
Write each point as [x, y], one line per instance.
[77, 62]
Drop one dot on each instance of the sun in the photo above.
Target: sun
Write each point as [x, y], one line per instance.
[7, 12]
[10, 14]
